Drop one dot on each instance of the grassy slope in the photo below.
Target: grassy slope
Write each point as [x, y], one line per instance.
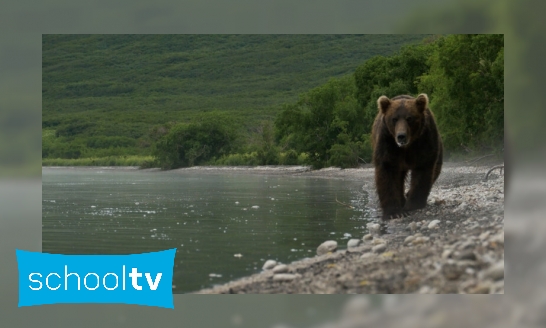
[121, 85]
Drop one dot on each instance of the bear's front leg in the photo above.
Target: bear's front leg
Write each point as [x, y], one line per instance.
[389, 181]
[421, 183]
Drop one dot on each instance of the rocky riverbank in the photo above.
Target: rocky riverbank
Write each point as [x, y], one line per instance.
[454, 245]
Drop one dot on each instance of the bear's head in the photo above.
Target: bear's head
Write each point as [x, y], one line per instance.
[404, 117]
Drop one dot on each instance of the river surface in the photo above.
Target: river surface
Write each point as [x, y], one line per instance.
[223, 225]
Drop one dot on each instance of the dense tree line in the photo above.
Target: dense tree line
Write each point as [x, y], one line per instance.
[329, 125]
[462, 74]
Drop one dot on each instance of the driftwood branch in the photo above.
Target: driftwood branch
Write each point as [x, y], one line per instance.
[478, 159]
[347, 205]
[362, 160]
[465, 148]
[492, 169]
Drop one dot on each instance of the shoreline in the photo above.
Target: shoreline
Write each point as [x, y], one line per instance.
[454, 245]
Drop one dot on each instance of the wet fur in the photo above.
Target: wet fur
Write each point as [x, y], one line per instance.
[422, 156]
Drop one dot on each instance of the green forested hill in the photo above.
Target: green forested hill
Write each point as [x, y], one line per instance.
[102, 94]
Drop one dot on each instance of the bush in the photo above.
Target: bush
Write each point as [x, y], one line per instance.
[195, 143]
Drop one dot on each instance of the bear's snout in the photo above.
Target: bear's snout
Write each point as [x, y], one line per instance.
[401, 139]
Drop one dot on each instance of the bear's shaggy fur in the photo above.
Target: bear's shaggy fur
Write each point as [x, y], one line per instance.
[405, 138]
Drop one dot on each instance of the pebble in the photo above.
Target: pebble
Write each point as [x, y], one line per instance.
[495, 272]
[353, 243]
[427, 290]
[467, 244]
[460, 208]
[412, 226]
[284, 277]
[269, 264]
[281, 268]
[379, 248]
[377, 241]
[365, 249]
[428, 213]
[482, 288]
[367, 255]
[420, 240]
[484, 235]
[409, 239]
[498, 238]
[375, 227]
[326, 247]
[367, 237]
[467, 255]
[452, 271]
[446, 254]
[433, 224]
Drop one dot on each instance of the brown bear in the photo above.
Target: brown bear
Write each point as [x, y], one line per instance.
[405, 138]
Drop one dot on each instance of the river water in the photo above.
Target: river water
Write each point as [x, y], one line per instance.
[223, 225]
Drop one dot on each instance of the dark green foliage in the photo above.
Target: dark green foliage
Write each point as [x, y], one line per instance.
[195, 143]
[325, 121]
[462, 74]
[390, 76]
[108, 142]
[289, 158]
[466, 88]
[268, 152]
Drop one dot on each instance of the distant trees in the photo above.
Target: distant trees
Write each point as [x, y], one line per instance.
[332, 123]
[466, 86]
[327, 124]
[462, 74]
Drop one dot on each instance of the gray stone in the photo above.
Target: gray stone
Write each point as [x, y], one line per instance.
[373, 227]
[353, 243]
[281, 268]
[377, 241]
[367, 237]
[467, 255]
[366, 255]
[269, 264]
[420, 240]
[446, 254]
[433, 224]
[326, 247]
[495, 272]
[379, 248]
[284, 277]
[409, 239]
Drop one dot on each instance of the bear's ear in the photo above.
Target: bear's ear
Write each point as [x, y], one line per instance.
[383, 104]
[421, 102]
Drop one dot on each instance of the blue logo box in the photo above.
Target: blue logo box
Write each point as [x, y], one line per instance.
[143, 279]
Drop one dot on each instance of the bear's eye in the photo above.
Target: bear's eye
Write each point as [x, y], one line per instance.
[394, 120]
[409, 119]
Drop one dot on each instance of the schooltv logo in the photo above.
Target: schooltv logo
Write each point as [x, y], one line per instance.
[143, 279]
